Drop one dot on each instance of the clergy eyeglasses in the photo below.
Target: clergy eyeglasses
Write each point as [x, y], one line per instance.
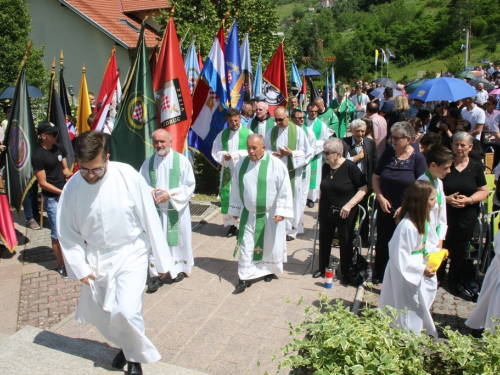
[94, 171]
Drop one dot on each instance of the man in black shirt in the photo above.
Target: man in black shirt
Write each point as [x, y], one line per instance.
[51, 171]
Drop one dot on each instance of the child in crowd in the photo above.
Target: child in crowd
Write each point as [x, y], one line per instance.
[409, 283]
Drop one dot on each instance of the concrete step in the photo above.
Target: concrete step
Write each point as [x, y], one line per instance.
[35, 351]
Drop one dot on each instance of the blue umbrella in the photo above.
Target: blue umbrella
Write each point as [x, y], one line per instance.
[8, 93]
[308, 72]
[379, 92]
[443, 88]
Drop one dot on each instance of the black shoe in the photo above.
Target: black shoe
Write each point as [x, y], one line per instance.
[318, 273]
[134, 368]
[236, 232]
[375, 281]
[231, 232]
[310, 203]
[289, 238]
[156, 283]
[62, 271]
[179, 278]
[242, 285]
[119, 360]
[268, 278]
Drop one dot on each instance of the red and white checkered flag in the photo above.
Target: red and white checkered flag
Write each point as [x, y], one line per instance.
[137, 115]
[165, 103]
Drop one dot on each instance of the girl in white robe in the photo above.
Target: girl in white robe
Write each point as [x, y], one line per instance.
[488, 303]
[409, 283]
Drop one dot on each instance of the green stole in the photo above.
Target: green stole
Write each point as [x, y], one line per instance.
[316, 129]
[424, 242]
[260, 220]
[173, 182]
[243, 134]
[292, 144]
[439, 197]
[254, 125]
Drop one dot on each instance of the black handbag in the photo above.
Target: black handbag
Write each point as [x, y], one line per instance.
[358, 269]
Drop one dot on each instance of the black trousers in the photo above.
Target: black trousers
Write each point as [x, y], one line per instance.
[345, 227]
[364, 231]
[460, 230]
[386, 225]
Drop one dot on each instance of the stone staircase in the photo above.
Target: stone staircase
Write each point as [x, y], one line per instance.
[34, 351]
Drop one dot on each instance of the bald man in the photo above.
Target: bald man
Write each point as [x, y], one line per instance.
[262, 121]
[171, 178]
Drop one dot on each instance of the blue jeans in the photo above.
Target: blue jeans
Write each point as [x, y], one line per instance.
[30, 203]
[51, 208]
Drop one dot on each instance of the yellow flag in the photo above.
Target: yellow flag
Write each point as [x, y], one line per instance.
[376, 57]
[84, 110]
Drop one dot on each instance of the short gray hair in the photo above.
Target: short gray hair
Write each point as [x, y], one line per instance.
[357, 124]
[334, 145]
[405, 128]
[460, 136]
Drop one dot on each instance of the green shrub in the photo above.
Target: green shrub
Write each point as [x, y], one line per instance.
[332, 340]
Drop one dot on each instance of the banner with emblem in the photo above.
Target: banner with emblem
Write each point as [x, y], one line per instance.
[234, 76]
[131, 139]
[274, 85]
[171, 89]
[20, 140]
[246, 68]
[192, 66]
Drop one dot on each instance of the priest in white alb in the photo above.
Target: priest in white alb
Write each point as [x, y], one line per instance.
[321, 133]
[229, 147]
[107, 224]
[263, 121]
[289, 143]
[261, 197]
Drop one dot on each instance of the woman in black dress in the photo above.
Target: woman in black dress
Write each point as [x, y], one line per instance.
[464, 187]
[342, 188]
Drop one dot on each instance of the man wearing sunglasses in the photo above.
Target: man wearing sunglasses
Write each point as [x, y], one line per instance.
[51, 171]
[108, 225]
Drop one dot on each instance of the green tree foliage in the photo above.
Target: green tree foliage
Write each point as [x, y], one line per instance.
[14, 36]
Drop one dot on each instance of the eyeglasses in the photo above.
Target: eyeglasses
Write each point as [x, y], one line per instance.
[279, 119]
[394, 138]
[94, 171]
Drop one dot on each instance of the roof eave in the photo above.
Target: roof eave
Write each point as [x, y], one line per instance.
[95, 24]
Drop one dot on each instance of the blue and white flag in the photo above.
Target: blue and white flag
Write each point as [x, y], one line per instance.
[334, 92]
[257, 84]
[390, 53]
[191, 66]
[234, 78]
[210, 101]
[296, 81]
[246, 68]
[385, 56]
[327, 92]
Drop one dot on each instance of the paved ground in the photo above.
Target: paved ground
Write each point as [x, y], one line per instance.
[198, 323]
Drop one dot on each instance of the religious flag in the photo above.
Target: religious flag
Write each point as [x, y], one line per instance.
[385, 56]
[200, 61]
[257, 83]
[136, 120]
[84, 109]
[7, 228]
[191, 66]
[55, 115]
[332, 83]
[327, 92]
[303, 94]
[313, 90]
[210, 101]
[246, 68]
[234, 78]
[296, 82]
[171, 88]
[63, 95]
[390, 53]
[274, 81]
[376, 58]
[20, 140]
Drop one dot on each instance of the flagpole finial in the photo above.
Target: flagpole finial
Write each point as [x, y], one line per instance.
[236, 14]
[172, 11]
[83, 68]
[61, 59]
[53, 65]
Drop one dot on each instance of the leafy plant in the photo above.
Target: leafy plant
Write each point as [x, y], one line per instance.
[332, 340]
[455, 65]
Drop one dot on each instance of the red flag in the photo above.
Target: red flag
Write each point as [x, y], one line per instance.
[100, 118]
[170, 84]
[7, 229]
[274, 81]
[108, 81]
[200, 61]
[303, 94]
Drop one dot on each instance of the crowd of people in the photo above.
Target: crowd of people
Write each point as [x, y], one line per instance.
[116, 229]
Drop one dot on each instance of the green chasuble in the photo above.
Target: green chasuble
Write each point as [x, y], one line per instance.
[254, 125]
[243, 134]
[330, 119]
[173, 182]
[260, 215]
[343, 115]
[292, 145]
[315, 162]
